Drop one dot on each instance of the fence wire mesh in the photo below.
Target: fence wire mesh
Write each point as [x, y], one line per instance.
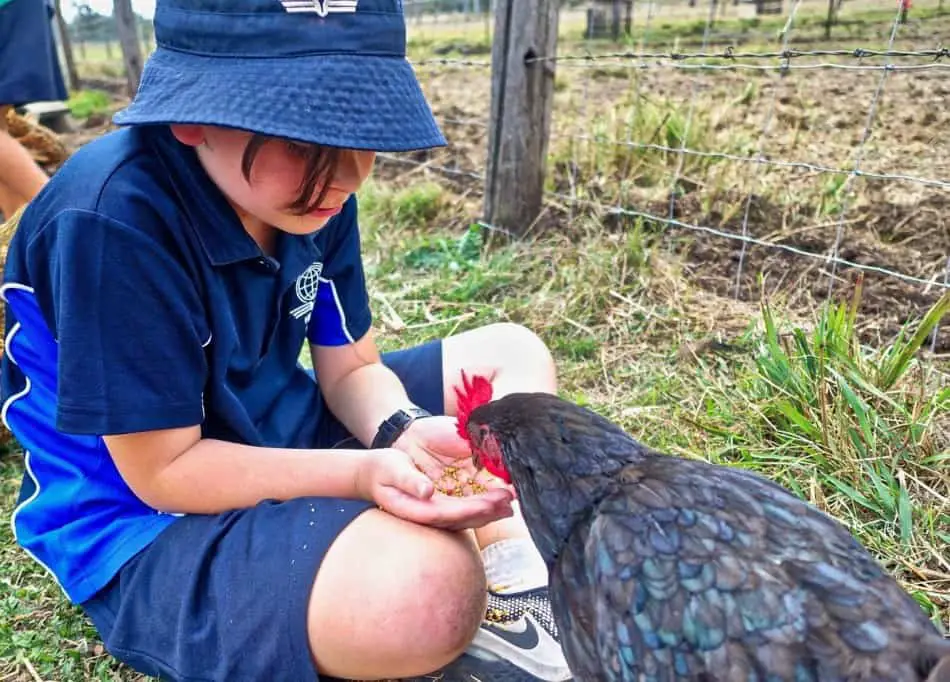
[801, 163]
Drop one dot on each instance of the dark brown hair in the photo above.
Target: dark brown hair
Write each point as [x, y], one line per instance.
[320, 164]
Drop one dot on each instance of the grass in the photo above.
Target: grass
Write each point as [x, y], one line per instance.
[859, 431]
[628, 145]
[85, 103]
[678, 22]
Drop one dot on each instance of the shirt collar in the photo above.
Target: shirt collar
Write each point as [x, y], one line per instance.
[215, 221]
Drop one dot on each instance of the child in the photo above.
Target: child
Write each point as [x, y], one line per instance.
[218, 512]
[29, 72]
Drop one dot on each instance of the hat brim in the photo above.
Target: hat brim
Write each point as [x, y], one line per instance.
[356, 102]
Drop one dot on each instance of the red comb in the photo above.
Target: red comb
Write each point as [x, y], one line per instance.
[476, 392]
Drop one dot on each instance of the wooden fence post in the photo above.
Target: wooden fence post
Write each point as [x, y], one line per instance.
[522, 95]
[832, 17]
[62, 35]
[129, 41]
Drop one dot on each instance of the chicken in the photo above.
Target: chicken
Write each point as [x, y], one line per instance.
[666, 569]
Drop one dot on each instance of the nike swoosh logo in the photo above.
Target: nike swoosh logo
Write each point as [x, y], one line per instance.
[527, 639]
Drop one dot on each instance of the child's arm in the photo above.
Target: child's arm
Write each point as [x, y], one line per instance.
[132, 333]
[360, 391]
[175, 470]
[358, 388]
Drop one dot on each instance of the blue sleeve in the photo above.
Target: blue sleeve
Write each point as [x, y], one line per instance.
[129, 326]
[341, 311]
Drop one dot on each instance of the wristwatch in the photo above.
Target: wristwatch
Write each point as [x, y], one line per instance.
[395, 425]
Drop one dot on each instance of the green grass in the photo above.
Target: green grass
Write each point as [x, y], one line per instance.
[679, 27]
[85, 103]
[859, 431]
[39, 629]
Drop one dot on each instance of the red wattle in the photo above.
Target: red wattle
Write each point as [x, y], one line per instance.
[497, 469]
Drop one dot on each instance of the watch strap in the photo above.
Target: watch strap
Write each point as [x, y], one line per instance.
[395, 425]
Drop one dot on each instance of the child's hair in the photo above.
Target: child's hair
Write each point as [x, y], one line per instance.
[321, 163]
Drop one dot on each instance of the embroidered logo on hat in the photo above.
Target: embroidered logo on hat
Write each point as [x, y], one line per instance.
[225, 63]
[320, 7]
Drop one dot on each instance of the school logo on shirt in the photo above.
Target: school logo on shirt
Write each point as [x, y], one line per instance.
[320, 7]
[307, 285]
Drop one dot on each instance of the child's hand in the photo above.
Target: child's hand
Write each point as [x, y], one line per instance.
[441, 454]
[391, 479]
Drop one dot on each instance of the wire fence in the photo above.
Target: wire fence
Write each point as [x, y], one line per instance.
[807, 164]
[782, 154]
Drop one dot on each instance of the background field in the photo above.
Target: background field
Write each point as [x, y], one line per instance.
[713, 326]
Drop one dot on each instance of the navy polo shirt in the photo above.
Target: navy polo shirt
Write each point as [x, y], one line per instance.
[136, 301]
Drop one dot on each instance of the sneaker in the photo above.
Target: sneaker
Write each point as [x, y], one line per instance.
[517, 642]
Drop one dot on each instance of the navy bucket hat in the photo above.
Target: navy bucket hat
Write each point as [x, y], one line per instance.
[329, 72]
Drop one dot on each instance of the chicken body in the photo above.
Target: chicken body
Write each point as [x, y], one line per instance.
[664, 569]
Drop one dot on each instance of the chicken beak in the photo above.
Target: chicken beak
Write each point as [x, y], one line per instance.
[475, 442]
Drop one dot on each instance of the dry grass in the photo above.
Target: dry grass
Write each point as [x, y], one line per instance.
[646, 319]
[616, 129]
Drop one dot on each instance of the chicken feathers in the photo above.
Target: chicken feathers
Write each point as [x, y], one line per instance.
[664, 569]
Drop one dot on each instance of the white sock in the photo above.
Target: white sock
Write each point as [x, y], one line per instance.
[514, 565]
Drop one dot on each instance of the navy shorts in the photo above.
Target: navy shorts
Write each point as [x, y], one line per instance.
[224, 597]
[29, 65]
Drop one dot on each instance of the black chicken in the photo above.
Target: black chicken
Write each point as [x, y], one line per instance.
[665, 569]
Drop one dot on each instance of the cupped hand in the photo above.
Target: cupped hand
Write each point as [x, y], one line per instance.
[441, 454]
[442, 488]
[392, 479]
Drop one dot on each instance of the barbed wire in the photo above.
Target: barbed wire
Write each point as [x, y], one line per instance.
[659, 64]
[731, 54]
[760, 160]
[672, 59]
[445, 170]
[477, 122]
[618, 209]
[645, 215]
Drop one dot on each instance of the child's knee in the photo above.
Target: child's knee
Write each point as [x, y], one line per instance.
[440, 594]
[446, 600]
[522, 351]
[395, 599]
